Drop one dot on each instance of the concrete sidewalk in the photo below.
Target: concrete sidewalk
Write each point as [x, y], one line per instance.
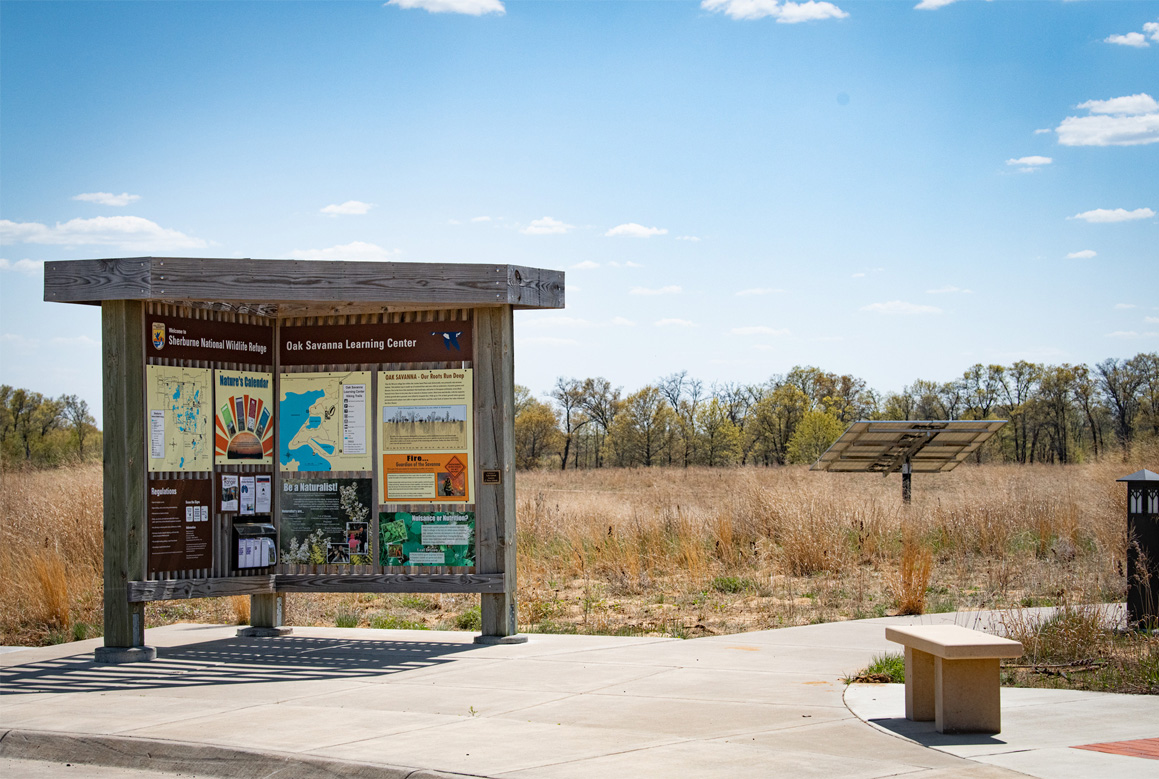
[347, 702]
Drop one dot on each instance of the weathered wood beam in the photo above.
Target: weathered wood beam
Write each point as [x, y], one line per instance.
[232, 282]
[125, 485]
[397, 582]
[495, 450]
[180, 589]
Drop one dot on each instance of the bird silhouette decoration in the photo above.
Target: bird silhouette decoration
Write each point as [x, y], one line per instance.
[450, 339]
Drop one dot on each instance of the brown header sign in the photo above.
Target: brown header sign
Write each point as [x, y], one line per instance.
[203, 339]
[375, 343]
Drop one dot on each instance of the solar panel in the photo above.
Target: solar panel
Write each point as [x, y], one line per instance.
[930, 446]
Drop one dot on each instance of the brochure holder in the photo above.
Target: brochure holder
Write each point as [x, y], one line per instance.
[255, 545]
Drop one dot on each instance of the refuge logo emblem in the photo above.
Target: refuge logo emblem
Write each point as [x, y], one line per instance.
[158, 335]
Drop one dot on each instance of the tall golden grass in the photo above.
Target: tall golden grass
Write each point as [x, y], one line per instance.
[669, 551]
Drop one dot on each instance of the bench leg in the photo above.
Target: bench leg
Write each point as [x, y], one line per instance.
[919, 685]
[966, 694]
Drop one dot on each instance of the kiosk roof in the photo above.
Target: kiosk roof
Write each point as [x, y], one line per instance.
[302, 287]
[931, 446]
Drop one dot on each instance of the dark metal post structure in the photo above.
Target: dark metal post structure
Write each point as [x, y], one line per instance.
[906, 486]
[1143, 549]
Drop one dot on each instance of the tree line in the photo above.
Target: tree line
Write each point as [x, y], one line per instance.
[1057, 414]
[40, 431]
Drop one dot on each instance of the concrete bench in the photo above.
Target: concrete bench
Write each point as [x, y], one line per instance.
[951, 676]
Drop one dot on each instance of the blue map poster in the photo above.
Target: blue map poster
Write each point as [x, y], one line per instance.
[323, 423]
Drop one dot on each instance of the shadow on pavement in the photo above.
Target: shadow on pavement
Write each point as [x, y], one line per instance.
[926, 734]
[233, 661]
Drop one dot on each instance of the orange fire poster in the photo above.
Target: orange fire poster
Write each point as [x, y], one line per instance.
[427, 437]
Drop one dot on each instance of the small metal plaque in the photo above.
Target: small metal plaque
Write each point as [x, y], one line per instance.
[492, 477]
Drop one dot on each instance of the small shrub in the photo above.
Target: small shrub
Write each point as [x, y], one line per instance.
[731, 584]
[470, 619]
[913, 577]
[346, 619]
[886, 668]
[392, 622]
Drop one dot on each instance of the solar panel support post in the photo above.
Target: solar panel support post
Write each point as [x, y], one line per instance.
[906, 486]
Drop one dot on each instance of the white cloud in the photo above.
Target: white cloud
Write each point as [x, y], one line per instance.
[626, 264]
[480, 219]
[107, 198]
[1043, 131]
[557, 321]
[1132, 120]
[546, 226]
[933, 5]
[758, 291]
[1085, 254]
[1134, 39]
[674, 323]
[469, 7]
[1131, 334]
[79, 340]
[669, 290]
[1141, 103]
[759, 330]
[857, 276]
[31, 267]
[349, 208]
[585, 265]
[1152, 29]
[1124, 306]
[948, 290]
[633, 230]
[1109, 215]
[692, 238]
[784, 13]
[1030, 162]
[620, 321]
[900, 307]
[356, 251]
[128, 232]
[1151, 320]
[549, 341]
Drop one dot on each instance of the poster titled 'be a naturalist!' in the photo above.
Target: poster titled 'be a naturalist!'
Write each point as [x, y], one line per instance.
[326, 521]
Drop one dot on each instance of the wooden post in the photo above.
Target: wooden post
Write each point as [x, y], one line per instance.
[125, 483]
[495, 450]
[906, 485]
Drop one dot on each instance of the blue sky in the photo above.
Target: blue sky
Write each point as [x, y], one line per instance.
[890, 189]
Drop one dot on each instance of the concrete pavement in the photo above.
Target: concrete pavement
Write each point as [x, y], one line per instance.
[354, 703]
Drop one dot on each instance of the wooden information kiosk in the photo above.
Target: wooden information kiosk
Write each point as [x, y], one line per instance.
[277, 426]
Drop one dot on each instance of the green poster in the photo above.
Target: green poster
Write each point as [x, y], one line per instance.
[427, 538]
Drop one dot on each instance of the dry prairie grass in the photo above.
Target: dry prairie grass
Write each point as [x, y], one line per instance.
[665, 551]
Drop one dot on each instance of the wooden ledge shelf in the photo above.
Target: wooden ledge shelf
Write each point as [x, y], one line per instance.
[181, 589]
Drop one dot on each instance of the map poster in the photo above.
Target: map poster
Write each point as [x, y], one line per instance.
[180, 533]
[180, 417]
[427, 436]
[243, 408]
[326, 522]
[323, 424]
[427, 538]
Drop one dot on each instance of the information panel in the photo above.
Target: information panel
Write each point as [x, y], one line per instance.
[243, 418]
[427, 538]
[180, 418]
[427, 435]
[180, 533]
[183, 338]
[323, 421]
[326, 521]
